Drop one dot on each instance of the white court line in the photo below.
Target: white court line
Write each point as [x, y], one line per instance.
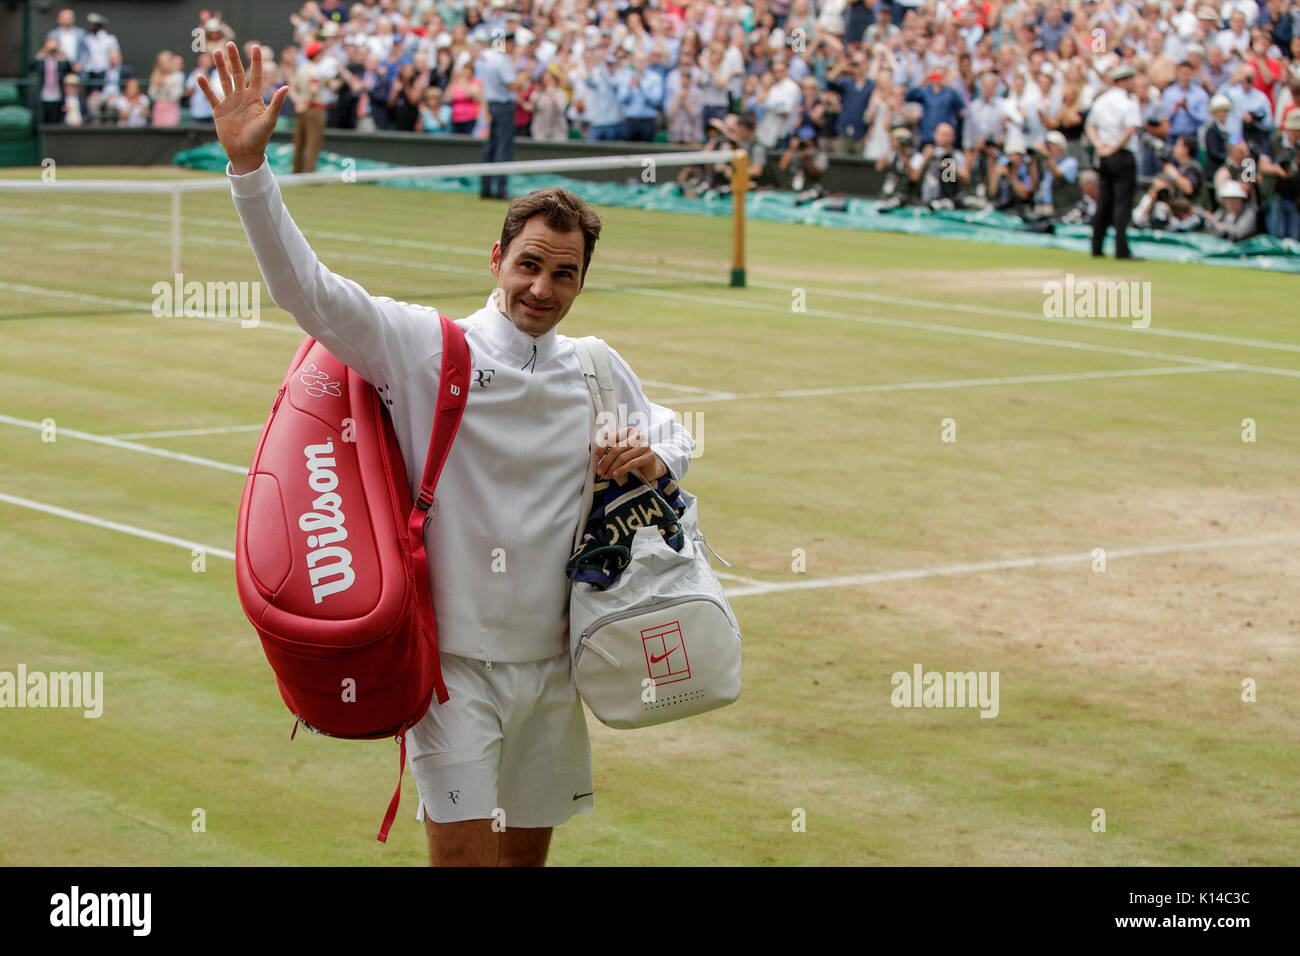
[115, 526]
[182, 432]
[768, 588]
[126, 445]
[950, 383]
[850, 294]
[784, 309]
[145, 307]
[682, 388]
[1036, 317]
[969, 332]
[1082, 557]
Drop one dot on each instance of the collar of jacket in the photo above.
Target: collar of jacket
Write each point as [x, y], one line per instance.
[515, 345]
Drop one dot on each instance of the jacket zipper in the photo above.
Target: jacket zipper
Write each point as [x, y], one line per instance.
[514, 488]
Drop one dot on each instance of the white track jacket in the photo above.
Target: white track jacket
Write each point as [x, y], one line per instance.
[508, 502]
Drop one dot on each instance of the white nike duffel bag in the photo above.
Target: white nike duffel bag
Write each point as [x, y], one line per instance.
[662, 642]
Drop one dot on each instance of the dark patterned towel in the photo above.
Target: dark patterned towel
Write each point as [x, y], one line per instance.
[617, 510]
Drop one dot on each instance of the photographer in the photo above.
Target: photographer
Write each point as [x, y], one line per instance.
[1082, 212]
[1013, 178]
[1181, 173]
[1235, 218]
[801, 167]
[899, 188]
[1054, 167]
[1281, 165]
[940, 169]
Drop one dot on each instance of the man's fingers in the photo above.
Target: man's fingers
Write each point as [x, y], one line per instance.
[255, 69]
[223, 72]
[202, 83]
[277, 101]
[236, 65]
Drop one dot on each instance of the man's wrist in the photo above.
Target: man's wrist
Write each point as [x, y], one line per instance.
[243, 165]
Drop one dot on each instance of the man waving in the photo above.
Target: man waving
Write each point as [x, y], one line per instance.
[510, 745]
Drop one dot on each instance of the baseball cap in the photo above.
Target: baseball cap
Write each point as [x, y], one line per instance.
[312, 49]
[1121, 73]
[211, 24]
[97, 18]
[1057, 139]
[1219, 102]
[1014, 145]
[935, 77]
[1231, 189]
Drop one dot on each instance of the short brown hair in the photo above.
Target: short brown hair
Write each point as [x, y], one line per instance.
[560, 210]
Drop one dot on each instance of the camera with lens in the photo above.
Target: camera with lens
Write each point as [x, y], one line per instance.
[1162, 150]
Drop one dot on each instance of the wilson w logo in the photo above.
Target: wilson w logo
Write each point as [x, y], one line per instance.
[327, 560]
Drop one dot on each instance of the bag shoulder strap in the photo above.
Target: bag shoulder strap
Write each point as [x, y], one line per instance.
[453, 387]
[587, 348]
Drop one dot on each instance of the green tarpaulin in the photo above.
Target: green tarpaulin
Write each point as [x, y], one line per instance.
[985, 225]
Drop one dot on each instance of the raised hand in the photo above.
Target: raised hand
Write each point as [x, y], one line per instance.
[243, 122]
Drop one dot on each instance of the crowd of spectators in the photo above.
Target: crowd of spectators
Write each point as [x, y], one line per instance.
[959, 103]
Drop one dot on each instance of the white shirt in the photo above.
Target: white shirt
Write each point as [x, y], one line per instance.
[513, 479]
[1112, 113]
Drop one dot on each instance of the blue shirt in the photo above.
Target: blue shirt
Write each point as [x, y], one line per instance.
[497, 72]
[602, 106]
[853, 103]
[1069, 167]
[1185, 122]
[1247, 100]
[643, 100]
[941, 107]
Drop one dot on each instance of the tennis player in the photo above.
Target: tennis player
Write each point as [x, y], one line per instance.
[507, 758]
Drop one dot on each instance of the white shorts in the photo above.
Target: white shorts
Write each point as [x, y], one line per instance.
[511, 737]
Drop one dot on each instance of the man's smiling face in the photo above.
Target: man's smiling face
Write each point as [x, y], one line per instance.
[540, 275]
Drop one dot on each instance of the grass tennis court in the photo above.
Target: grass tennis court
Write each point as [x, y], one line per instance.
[821, 434]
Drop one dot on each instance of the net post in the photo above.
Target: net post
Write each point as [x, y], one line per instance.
[739, 187]
[176, 230]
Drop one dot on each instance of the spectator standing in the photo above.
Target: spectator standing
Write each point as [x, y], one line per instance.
[307, 94]
[600, 103]
[68, 36]
[466, 95]
[549, 123]
[435, 116]
[940, 104]
[849, 78]
[715, 82]
[200, 108]
[96, 46]
[166, 87]
[1214, 136]
[1186, 102]
[685, 105]
[640, 94]
[51, 66]
[884, 112]
[74, 109]
[132, 105]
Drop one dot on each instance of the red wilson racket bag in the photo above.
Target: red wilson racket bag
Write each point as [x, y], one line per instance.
[329, 550]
